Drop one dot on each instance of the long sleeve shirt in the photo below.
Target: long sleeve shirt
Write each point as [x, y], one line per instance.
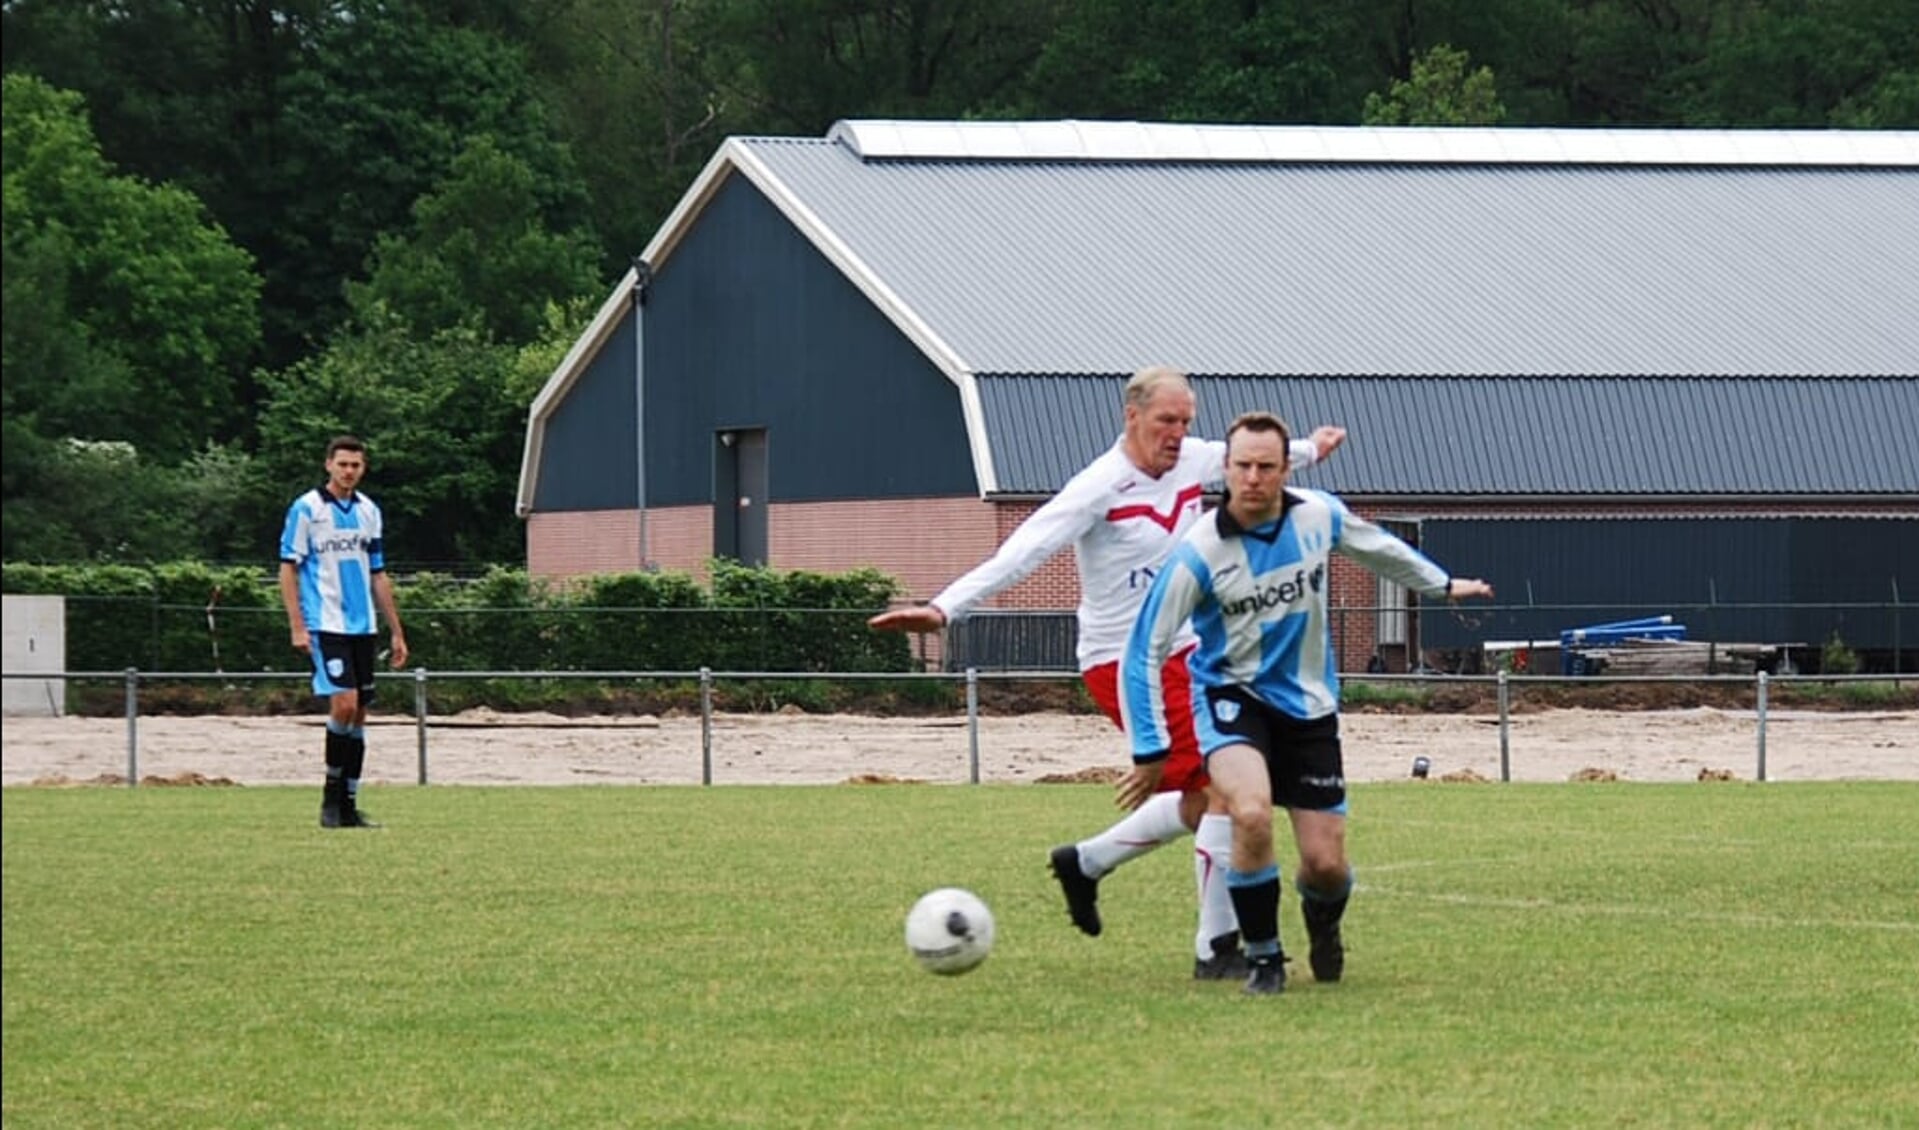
[1122, 523]
[1258, 600]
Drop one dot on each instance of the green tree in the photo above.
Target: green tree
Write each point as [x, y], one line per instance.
[129, 314]
[641, 94]
[1195, 60]
[1441, 92]
[1891, 103]
[192, 93]
[310, 127]
[103, 501]
[479, 254]
[444, 418]
[1797, 65]
[801, 65]
[363, 152]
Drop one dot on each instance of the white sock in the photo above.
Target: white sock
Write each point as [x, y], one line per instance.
[1212, 855]
[1151, 824]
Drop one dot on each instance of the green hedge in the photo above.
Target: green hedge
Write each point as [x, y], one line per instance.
[193, 617]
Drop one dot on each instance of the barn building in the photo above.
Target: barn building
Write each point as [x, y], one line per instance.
[1617, 372]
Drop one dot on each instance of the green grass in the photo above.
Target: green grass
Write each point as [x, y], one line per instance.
[1523, 955]
[1356, 693]
[1860, 695]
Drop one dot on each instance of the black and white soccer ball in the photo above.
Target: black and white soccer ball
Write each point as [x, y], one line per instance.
[949, 931]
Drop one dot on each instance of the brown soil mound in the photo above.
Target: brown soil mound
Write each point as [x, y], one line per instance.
[880, 779]
[1096, 775]
[1465, 776]
[188, 780]
[178, 780]
[1591, 774]
[1716, 775]
[62, 781]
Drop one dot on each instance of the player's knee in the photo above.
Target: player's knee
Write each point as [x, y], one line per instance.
[1252, 823]
[344, 706]
[1323, 866]
[1193, 804]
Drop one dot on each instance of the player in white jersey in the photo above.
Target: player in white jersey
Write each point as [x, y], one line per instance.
[1252, 579]
[1122, 515]
[332, 580]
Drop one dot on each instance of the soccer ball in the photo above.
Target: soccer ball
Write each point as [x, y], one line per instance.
[949, 930]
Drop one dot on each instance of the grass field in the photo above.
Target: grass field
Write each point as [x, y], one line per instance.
[1525, 955]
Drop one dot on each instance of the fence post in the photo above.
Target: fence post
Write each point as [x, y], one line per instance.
[706, 725]
[1898, 614]
[1762, 725]
[972, 724]
[1505, 745]
[419, 715]
[133, 728]
[1712, 626]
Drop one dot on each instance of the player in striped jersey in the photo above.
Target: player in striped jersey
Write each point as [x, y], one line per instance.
[1122, 515]
[1252, 579]
[333, 582]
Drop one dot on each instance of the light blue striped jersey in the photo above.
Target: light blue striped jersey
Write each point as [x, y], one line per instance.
[1258, 601]
[336, 546]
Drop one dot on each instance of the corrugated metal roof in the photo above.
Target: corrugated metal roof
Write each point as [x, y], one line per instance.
[1494, 436]
[1367, 269]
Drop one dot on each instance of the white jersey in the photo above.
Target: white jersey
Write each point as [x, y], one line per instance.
[1258, 600]
[336, 547]
[1122, 523]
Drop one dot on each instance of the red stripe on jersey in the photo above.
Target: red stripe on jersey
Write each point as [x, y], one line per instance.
[1166, 520]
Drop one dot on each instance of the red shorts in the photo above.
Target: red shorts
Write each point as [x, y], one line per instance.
[1184, 768]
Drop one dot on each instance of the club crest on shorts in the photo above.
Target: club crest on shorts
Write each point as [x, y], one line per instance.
[1226, 710]
[335, 667]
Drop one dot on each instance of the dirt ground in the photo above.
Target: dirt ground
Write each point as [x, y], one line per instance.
[481, 747]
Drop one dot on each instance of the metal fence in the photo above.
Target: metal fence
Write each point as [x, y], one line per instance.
[1505, 684]
[1448, 637]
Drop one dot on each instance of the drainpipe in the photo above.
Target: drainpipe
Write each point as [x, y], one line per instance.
[642, 282]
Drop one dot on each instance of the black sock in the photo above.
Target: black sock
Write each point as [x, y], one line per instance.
[1256, 903]
[336, 757]
[336, 751]
[1325, 906]
[355, 754]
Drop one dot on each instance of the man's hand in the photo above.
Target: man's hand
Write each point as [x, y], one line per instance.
[1138, 784]
[1462, 587]
[1327, 438]
[400, 652]
[300, 640]
[920, 618]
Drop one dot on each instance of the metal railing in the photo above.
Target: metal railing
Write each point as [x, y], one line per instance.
[1504, 682]
[154, 633]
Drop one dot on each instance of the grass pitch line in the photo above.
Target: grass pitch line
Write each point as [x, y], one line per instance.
[1421, 864]
[1625, 910]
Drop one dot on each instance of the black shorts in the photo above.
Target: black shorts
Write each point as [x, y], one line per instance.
[1302, 755]
[343, 663]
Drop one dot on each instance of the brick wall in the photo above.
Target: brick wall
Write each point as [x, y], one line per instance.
[924, 543]
[572, 543]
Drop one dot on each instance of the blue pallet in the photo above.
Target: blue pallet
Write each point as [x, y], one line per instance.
[1571, 662]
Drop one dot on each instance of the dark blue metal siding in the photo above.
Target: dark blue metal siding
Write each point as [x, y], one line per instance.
[1512, 435]
[1046, 428]
[1713, 575]
[748, 326]
[586, 459]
